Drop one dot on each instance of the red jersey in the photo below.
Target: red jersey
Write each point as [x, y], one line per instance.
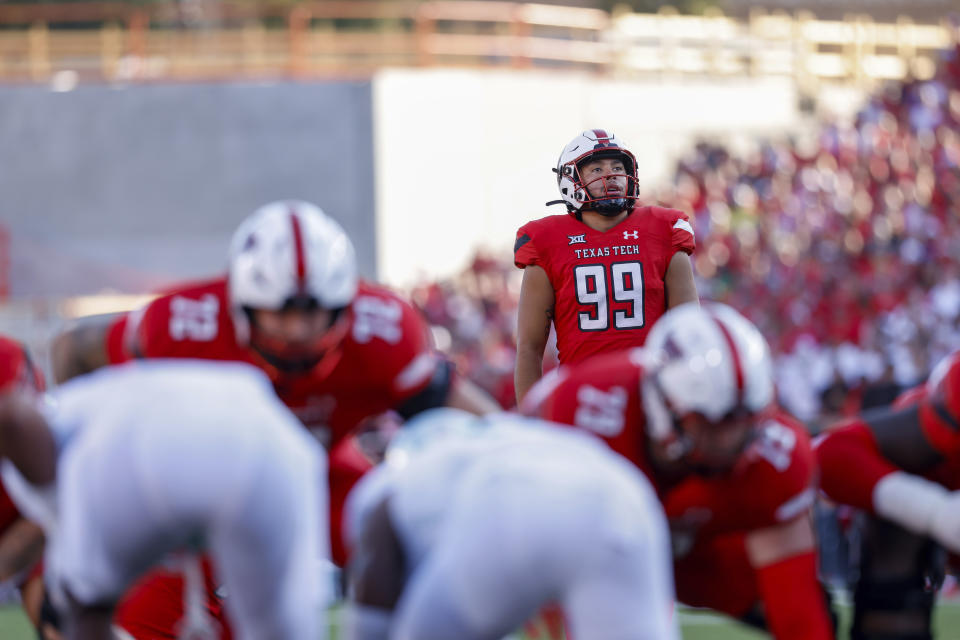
[608, 286]
[709, 517]
[386, 358]
[770, 484]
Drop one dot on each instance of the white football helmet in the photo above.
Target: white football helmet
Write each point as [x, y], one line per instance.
[706, 361]
[290, 254]
[591, 145]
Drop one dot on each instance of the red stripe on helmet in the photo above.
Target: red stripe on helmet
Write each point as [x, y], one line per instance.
[299, 250]
[735, 356]
[603, 138]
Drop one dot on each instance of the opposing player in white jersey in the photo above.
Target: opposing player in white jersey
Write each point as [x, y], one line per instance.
[133, 463]
[473, 524]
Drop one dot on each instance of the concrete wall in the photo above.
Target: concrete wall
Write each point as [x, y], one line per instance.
[125, 188]
[114, 187]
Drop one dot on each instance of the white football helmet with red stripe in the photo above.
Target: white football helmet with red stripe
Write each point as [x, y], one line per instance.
[706, 362]
[290, 254]
[591, 145]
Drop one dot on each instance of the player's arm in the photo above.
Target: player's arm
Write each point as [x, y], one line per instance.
[21, 546]
[446, 388]
[784, 557]
[534, 315]
[26, 440]
[467, 396]
[678, 281]
[375, 577]
[81, 348]
[851, 464]
[868, 464]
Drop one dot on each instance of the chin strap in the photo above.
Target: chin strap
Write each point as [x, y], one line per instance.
[553, 202]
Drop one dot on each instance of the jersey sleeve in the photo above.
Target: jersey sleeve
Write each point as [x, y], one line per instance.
[780, 473]
[851, 464]
[117, 346]
[148, 331]
[681, 234]
[190, 323]
[524, 249]
[399, 349]
[598, 397]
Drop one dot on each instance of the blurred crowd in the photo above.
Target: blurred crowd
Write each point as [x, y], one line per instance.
[841, 246]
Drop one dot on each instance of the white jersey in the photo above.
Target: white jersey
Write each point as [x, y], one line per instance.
[161, 456]
[170, 395]
[507, 513]
[424, 482]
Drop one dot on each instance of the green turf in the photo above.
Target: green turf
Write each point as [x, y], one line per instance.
[701, 625]
[696, 625]
[14, 625]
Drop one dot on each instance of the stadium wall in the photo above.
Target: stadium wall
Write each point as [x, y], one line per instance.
[124, 188]
[104, 184]
[464, 157]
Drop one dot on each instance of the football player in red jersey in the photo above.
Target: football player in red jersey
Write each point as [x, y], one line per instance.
[694, 410]
[605, 271]
[337, 349]
[902, 466]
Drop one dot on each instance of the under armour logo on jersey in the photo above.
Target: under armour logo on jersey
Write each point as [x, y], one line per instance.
[631, 234]
[580, 239]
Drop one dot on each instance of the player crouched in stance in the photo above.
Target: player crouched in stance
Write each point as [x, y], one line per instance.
[694, 411]
[902, 466]
[133, 463]
[472, 524]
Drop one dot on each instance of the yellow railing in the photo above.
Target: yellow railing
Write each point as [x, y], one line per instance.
[313, 39]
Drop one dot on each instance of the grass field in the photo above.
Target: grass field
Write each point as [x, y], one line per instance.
[696, 625]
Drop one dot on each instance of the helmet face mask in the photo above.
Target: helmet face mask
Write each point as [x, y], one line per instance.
[709, 385]
[314, 337]
[608, 194]
[292, 278]
[714, 446]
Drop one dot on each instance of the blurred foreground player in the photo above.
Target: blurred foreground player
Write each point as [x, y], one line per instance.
[133, 463]
[693, 410]
[472, 524]
[902, 466]
[336, 349]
